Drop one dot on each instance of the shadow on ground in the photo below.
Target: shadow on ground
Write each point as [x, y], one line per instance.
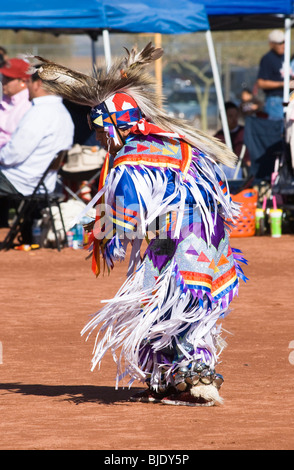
[76, 394]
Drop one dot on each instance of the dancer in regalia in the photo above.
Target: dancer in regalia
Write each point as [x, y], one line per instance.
[163, 191]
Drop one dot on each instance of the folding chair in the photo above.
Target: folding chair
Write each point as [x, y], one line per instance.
[83, 164]
[264, 139]
[28, 204]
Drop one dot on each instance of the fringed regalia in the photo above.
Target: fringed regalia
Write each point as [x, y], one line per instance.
[165, 315]
[164, 187]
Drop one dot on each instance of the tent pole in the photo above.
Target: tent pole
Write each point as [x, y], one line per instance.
[287, 58]
[93, 50]
[106, 44]
[158, 68]
[218, 88]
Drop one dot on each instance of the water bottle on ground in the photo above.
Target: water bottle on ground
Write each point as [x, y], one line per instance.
[37, 232]
[78, 237]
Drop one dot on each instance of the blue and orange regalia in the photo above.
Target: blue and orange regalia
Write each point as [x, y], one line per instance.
[169, 200]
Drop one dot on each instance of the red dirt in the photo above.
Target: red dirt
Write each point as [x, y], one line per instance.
[50, 399]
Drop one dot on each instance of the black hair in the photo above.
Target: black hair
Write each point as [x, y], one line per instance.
[35, 76]
[230, 105]
[247, 90]
[3, 52]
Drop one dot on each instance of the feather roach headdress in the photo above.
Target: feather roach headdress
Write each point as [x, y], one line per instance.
[128, 75]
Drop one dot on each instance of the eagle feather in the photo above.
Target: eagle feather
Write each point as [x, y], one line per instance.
[129, 75]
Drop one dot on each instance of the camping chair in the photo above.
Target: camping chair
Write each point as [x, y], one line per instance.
[240, 162]
[83, 164]
[265, 143]
[264, 139]
[26, 205]
[283, 188]
[236, 184]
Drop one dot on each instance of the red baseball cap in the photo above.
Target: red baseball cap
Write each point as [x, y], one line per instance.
[16, 68]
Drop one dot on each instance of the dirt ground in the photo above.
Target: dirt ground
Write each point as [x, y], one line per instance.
[49, 398]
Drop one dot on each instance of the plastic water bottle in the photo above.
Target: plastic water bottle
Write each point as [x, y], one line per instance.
[78, 237]
[36, 232]
[70, 236]
[259, 221]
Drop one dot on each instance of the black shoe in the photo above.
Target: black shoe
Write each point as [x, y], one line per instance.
[150, 396]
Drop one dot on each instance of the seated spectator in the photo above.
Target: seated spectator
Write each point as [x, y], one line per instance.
[250, 105]
[237, 138]
[46, 129]
[15, 102]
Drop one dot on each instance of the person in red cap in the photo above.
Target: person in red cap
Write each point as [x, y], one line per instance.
[14, 104]
[15, 101]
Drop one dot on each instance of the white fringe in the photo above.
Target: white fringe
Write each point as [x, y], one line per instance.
[151, 188]
[208, 392]
[135, 317]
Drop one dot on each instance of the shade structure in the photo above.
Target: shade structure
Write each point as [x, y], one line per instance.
[94, 16]
[156, 16]
[251, 14]
[161, 16]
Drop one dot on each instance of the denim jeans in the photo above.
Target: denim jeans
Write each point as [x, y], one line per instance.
[274, 107]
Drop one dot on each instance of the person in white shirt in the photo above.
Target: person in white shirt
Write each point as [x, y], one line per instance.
[45, 129]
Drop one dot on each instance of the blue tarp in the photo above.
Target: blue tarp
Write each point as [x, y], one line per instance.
[52, 14]
[247, 7]
[137, 16]
[156, 16]
[78, 16]
[247, 14]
